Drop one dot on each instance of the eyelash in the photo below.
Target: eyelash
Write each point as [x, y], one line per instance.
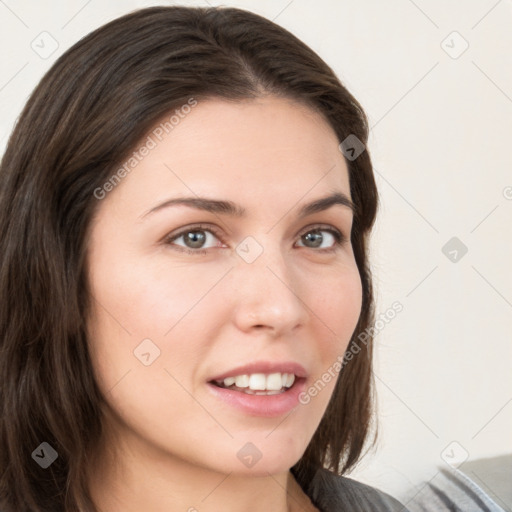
[339, 237]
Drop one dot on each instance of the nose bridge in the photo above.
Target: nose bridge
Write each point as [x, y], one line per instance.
[267, 287]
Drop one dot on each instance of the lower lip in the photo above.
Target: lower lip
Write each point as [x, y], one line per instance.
[261, 405]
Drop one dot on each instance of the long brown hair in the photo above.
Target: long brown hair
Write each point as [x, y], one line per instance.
[89, 111]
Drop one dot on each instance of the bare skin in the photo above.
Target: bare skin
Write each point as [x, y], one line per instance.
[170, 443]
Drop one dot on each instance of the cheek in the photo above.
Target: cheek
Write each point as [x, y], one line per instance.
[336, 309]
[134, 303]
[139, 309]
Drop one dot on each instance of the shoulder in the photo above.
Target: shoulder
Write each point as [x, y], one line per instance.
[452, 489]
[331, 492]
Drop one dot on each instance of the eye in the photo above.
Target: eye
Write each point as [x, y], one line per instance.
[194, 239]
[314, 238]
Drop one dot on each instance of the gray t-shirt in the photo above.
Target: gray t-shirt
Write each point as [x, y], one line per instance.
[333, 493]
[449, 491]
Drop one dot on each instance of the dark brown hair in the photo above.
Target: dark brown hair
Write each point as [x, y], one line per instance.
[89, 111]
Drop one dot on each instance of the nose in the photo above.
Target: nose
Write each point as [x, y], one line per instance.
[267, 295]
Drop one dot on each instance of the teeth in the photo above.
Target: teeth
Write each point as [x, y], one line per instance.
[261, 382]
[257, 382]
[242, 381]
[274, 382]
[229, 381]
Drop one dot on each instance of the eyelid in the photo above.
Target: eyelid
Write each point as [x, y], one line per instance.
[322, 227]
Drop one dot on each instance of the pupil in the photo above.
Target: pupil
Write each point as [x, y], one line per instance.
[196, 238]
[316, 237]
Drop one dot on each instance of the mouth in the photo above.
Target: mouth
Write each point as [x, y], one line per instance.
[264, 389]
[258, 383]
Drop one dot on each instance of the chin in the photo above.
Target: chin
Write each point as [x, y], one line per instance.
[272, 459]
[248, 460]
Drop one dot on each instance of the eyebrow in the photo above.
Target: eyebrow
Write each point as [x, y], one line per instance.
[230, 208]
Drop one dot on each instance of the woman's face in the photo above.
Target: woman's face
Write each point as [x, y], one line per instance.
[246, 297]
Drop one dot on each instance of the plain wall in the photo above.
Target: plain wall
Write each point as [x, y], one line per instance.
[441, 145]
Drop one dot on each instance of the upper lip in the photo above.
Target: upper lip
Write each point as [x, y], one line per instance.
[266, 367]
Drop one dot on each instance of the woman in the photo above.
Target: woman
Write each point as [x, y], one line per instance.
[186, 205]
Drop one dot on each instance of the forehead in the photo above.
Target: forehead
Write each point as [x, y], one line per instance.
[262, 128]
[266, 151]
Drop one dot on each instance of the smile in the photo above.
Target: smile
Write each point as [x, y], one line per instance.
[258, 383]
